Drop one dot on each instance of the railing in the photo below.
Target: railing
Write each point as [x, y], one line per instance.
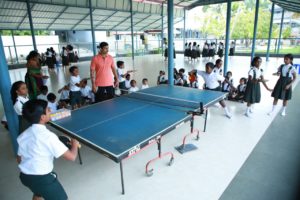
[123, 48]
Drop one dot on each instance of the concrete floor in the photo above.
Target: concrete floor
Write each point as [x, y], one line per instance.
[202, 174]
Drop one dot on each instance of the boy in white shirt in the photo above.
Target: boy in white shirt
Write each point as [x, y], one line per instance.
[52, 104]
[133, 87]
[37, 148]
[44, 92]
[127, 82]
[211, 80]
[64, 96]
[86, 92]
[122, 75]
[145, 84]
[75, 85]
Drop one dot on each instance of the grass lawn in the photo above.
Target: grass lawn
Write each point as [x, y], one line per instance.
[293, 50]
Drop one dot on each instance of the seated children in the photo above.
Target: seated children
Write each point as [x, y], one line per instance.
[52, 104]
[64, 100]
[227, 84]
[240, 91]
[161, 79]
[86, 92]
[37, 148]
[195, 83]
[127, 82]
[183, 76]
[145, 84]
[44, 92]
[133, 87]
[178, 80]
[75, 85]
[211, 80]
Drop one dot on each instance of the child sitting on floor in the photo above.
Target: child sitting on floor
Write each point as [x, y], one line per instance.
[239, 93]
[133, 87]
[44, 92]
[52, 104]
[145, 84]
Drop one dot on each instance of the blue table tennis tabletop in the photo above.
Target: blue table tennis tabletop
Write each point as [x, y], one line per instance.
[119, 126]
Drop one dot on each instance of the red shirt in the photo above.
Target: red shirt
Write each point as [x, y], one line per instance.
[103, 67]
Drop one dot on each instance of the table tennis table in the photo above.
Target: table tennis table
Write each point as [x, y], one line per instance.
[123, 126]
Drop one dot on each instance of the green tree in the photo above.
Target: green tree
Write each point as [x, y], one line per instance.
[287, 32]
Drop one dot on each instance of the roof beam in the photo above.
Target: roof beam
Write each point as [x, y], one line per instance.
[57, 17]
[105, 19]
[26, 16]
[121, 22]
[151, 23]
[81, 20]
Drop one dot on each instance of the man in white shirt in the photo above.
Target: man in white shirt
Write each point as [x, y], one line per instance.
[37, 148]
[211, 80]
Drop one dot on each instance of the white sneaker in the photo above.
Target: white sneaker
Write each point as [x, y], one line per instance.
[228, 114]
[283, 113]
[251, 110]
[247, 114]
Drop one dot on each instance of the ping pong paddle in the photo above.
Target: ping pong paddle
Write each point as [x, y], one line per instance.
[67, 141]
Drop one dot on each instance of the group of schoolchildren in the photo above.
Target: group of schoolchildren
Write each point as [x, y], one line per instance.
[248, 89]
[192, 50]
[126, 84]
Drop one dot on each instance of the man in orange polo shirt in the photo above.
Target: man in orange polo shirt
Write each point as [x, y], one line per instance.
[103, 74]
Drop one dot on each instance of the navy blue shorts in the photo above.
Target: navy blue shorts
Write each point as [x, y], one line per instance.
[46, 186]
[75, 98]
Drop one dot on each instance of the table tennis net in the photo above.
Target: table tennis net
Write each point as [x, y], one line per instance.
[164, 100]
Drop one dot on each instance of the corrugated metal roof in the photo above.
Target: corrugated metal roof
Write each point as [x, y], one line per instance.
[290, 5]
[107, 14]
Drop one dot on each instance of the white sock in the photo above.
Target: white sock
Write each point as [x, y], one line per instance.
[273, 108]
[226, 110]
[283, 110]
[248, 110]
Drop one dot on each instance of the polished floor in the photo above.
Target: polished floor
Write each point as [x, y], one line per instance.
[201, 174]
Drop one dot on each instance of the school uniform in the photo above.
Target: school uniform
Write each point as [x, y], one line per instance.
[252, 93]
[133, 89]
[178, 81]
[86, 93]
[75, 94]
[162, 79]
[144, 86]
[65, 96]
[240, 92]
[120, 73]
[194, 53]
[18, 106]
[42, 97]
[212, 80]
[52, 106]
[218, 70]
[37, 148]
[195, 84]
[186, 48]
[127, 84]
[226, 87]
[286, 76]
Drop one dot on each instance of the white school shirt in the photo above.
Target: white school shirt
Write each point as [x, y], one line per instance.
[86, 91]
[211, 80]
[286, 68]
[258, 72]
[37, 148]
[133, 89]
[120, 72]
[145, 86]
[74, 80]
[242, 87]
[18, 106]
[52, 106]
[226, 86]
[127, 84]
[218, 70]
[178, 81]
[42, 97]
[162, 78]
[65, 94]
[184, 77]
[195, 84]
